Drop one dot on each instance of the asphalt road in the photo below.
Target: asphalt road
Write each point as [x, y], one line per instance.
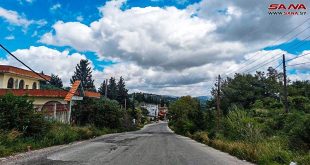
[156, 144]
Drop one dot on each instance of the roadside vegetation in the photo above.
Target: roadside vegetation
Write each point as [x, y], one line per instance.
[252, 124]
[22, 128]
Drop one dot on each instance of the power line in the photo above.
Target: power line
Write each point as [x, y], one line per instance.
[265, 63]
[299, 63]
[272, 44]
[294, 47]
[297, 57]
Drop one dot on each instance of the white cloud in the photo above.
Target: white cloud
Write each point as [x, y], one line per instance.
[175, 51]
[55, 7]
[15, 18]
[10, 37]
[167, 38]
[298, 63]
[77, 35]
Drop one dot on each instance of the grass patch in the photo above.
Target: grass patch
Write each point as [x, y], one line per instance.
[14, 142]
[270, 151]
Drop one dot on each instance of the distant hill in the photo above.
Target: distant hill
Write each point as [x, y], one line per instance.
[203, 98]
[153, 98]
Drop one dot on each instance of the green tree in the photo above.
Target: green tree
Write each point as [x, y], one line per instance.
[122, 92]
[185, 116]
[112, 89]
[56, 81]
[102, 88]
[107, 114]
[83, 72]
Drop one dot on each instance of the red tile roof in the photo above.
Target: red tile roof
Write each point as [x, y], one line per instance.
[73, 90]
[92, 94]
[22, 72]
[35, 92]
[45, 93]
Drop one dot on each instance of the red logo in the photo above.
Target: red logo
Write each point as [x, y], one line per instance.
[287, 7]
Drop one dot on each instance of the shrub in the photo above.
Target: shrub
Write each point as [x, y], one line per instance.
[18, 113]
[299, 103]
[240, 126]
[201, 137]
[107, 114]
[297, 127]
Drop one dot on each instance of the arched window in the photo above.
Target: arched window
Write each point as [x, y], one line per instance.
[34, 85]
[11, 83]
[21, 84]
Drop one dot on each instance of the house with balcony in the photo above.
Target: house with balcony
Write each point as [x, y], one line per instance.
[54, 103]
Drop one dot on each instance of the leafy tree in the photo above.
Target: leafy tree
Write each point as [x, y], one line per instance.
[56, 81]
[107, 114]
[83, 72]
[185, 115]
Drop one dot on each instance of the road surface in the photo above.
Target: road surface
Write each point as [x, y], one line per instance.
[155, 144]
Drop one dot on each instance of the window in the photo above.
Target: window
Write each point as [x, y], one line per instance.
[34, 85]
[27, 86]
[21, 84]
[11, 83]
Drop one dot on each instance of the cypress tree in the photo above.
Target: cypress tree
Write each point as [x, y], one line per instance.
[112, 89]
[83, 72]
[122, 92]
[56, 81]
[102, 87]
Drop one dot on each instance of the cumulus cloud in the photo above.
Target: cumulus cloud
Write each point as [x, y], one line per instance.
[247, 21]
[15, 18]
[176, 51]
[166, 38]
[47, 60]
[301, 63]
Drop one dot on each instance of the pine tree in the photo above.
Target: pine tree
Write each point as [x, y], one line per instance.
[84, 73]
[122, 92]
[56, 81]
[102, 87]
[112, 89]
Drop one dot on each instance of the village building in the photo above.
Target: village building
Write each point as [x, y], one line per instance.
[54, 103]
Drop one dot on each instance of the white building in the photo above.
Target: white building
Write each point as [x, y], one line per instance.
[152, 109]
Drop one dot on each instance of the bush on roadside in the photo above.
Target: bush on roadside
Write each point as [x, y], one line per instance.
[18, 113]
[58, 134]
[201, 137]
[240, 126]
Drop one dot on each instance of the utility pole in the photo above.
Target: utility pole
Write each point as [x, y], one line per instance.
[218, 100]
[106, 88]
[285, 85]
[125, 103]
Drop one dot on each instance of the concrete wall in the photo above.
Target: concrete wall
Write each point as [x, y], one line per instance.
[27, 81]
[1, 80]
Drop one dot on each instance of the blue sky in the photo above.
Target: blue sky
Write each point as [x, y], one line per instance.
[148, 41]
[67, 11]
